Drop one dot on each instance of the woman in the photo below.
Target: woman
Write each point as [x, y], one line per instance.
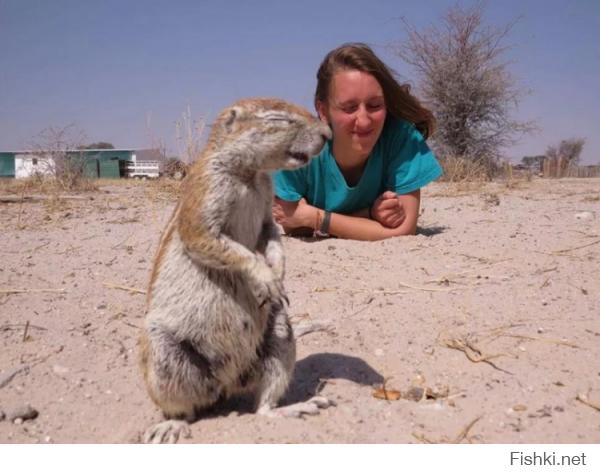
[365, 184]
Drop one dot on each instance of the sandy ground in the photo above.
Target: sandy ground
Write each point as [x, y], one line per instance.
[492, 312]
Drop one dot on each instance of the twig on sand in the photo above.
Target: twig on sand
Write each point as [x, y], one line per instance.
[542, 339]
[11, 374]
[384, 291]
[6, 327]
[464, 434]
[122, 242]
[559, 252]
[583, 398]
[40, 246]
[486, 260]
[473, 353]
[421, 288]
[465, 431]
[306, 328]
[116, 286]
[25, 331]
[9, 291]
[423, 439]
[320, 289]
[44, 358]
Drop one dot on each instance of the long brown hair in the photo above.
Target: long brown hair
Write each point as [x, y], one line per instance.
[398, 100]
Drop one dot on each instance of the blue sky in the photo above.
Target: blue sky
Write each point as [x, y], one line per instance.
[125, 71]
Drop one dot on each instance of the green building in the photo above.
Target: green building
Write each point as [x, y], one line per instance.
[99, 163]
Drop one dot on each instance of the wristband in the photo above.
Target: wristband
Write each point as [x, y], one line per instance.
[324, 229]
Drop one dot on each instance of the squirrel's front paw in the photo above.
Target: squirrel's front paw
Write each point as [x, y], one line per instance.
[267, 287]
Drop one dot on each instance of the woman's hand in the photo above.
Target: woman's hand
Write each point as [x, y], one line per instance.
[388, 210]
[293, 215]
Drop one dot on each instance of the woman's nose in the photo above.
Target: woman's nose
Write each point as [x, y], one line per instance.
[362, 116]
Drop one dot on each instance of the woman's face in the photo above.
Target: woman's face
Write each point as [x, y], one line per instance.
[355, 112]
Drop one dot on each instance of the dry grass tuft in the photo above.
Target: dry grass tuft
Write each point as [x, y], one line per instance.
[167, 189]
[591, 198]
[460, 169]
[462, 176]
[465, 177]
[44, 185]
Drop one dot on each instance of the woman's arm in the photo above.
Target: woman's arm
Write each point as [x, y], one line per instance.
[294, 215]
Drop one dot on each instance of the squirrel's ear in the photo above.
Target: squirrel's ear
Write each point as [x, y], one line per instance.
[231, 116]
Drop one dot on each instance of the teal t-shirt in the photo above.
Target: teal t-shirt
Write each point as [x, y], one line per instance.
[401, 162]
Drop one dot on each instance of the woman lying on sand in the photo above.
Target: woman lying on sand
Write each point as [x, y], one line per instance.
[365, 184]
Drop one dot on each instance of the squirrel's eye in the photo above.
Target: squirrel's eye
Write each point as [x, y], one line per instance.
[282, 120]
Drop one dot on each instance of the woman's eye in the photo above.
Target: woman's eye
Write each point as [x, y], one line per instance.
[374, 107]
[349, 109]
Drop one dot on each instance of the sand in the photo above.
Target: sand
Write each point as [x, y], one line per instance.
[487, 322]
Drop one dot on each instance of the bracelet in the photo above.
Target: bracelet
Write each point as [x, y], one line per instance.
[322, 224]
[324, 229]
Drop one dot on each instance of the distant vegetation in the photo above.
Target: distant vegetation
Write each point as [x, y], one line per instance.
[533, 162]
[568, 150]
[98, 146]
[54, 146]
[466, 83]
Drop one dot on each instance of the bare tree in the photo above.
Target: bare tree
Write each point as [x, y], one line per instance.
[189, 135]
[567, 150]
[156, 142]
[58, 149]
[467, 85]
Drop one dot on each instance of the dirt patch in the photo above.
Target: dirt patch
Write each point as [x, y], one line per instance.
[493, 306]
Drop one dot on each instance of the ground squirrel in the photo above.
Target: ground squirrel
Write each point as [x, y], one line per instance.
[216, 322]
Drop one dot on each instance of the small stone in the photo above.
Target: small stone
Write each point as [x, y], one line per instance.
[25, 412]
[18, 421]
[379, 352]
[584, 216]
[415, 394]
[519, 407]
[418, 380]
[59, 369]
[101, 306]
[47, 439]
[540, 330]
[2, 415]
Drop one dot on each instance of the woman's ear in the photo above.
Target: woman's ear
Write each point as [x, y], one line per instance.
[322, 111]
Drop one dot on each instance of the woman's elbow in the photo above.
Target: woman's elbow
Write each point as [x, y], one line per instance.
[406, 228]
